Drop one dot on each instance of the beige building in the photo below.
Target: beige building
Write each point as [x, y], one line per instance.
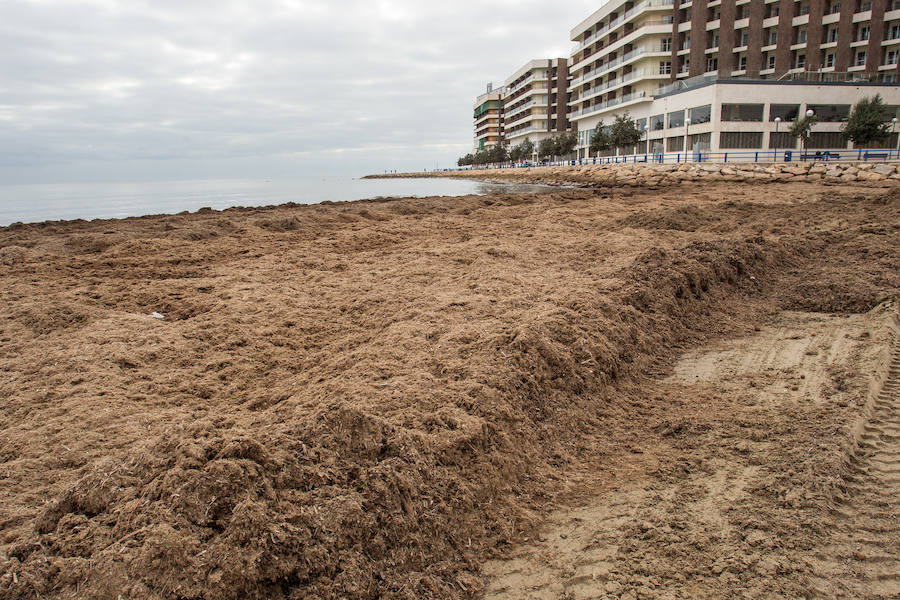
[488, 118]
[735, 66]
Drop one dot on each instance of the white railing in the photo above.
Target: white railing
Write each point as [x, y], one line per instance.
[519, 86]
[607, 104]
[594, 91]
[518, 109]
[619, 20]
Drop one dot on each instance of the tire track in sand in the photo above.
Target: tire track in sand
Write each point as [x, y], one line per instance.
[863, 557]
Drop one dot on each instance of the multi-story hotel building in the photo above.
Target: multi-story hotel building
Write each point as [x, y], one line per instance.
[488, 118]
[533, 103]
[719, 74]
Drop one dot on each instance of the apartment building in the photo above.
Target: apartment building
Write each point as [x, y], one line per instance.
[488, 117]
[730, 68]
[623, 55]
[533, 103]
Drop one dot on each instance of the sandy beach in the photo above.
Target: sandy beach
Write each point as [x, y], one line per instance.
[683, 392]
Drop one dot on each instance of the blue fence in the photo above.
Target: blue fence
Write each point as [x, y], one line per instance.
[762, 156]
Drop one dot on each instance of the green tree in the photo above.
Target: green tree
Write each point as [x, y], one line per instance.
[870, 121]
[548, 147]
[624, 132]
[527, 149]
[566, 143]
[801, 128]
[497, 153]
[600, 140]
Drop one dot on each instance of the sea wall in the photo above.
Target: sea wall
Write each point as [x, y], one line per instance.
[640, 175]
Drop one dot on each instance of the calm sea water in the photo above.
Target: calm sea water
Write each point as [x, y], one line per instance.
[43, 202]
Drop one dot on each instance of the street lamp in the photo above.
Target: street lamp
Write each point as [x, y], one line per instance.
[809, 115]
[777, 122]
[894, 130]
[687, 123]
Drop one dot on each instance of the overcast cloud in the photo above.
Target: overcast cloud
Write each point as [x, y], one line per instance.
[132, 89]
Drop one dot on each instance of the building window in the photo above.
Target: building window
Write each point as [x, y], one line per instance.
[772, 11]
[665, 45]
[665, 67]
[771, 61]
[787, 112]
[675, 144]
[742, 63]
[829, 60]
[863, 34]
[743, 12]
[740, 139]
[860, 58]
[773, 37]
[686, 42]
[745, 37]
[657, 122]
[712, 64]
[667, 19]
[865, 5]
[826, 139]
[804, 8]
[831, 113]
[801, 61]
[832, 35]
[676, 118]
[895, 32]
[801, 36]
[701, 114]
[782, 140]
[641, 124]
[835, 8]
[742, 112]
[699, 141]
[891, 58]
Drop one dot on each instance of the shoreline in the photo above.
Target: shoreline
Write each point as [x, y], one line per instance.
[651, 175]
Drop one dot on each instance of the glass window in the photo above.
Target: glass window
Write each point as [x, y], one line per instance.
[657, 122]
[675, 144]
[701, 114]
[826, 140]
[831, 113]
[787, 112]
[641, 124]
[665, 67]
[742, 112]
[740, 139]
[829, 60]
[676, 118]
[861, 58]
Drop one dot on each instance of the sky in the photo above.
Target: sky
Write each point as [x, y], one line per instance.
[134, 90]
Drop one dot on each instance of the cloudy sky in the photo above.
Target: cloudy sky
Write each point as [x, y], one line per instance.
[171, 89]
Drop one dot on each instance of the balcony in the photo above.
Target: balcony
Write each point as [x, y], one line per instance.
[608, 104]
[595, 91]
[606, 67]
[650, 4]
[514, 111]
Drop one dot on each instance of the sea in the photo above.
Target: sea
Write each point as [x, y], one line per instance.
[28, 203]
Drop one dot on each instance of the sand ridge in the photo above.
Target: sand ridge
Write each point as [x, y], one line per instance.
[367, 400]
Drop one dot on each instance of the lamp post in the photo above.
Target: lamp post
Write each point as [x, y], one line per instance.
[777, 122]
[809, 115]
[894, 130]
[687, 123]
